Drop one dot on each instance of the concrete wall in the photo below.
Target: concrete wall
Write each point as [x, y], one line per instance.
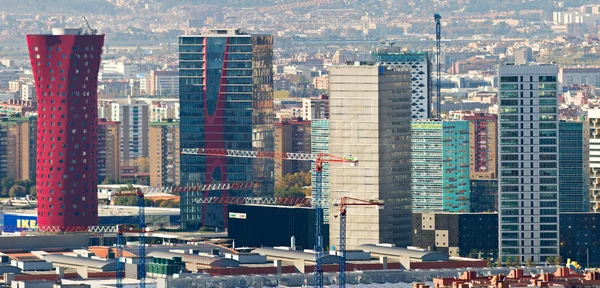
[41, 242]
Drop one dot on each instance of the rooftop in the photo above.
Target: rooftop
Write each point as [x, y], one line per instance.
[423, 255]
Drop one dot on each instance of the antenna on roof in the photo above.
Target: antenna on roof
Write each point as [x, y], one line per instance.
[89, 30]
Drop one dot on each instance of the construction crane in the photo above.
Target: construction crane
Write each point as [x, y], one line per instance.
[438, 38]
[344, 203]
[319, 159]
[141, 203]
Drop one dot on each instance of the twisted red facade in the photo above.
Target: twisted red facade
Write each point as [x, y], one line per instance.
[65, 70]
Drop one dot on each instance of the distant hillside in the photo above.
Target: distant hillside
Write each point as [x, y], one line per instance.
[57, 6]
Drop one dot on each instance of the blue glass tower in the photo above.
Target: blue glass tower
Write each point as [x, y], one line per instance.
[573, 182]
[226, 99]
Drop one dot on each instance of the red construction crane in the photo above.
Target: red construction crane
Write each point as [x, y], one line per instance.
[319, 159]
[344, 203]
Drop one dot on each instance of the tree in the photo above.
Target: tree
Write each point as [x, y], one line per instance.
[142, 164]
[499, 262]
[557, 260]
[7, 182]
[289, 193]
[509, 261]
[517, 261]
[17, 191]
[550, 260]
[488, 262]
[108, 180]
[33, 190]
[529, 262]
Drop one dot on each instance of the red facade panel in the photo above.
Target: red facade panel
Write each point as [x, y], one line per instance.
[65, 70]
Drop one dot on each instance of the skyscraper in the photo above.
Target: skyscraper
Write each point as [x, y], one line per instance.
[440, 166]
[109, 151]
[65, 69]
[134, 118]
[573, 156]
[18, 148]
[319, 143]
[370, 119]
[529, 173]
[226, 99]
[420, 68]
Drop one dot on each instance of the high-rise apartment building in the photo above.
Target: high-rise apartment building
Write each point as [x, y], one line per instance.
[440, 166]
[226, 100]
[529, 166]
[134, 118]
[574, 167]
[594, 148]
[420, 68]
[292, 137]
[164, 154]
[18, 148]
[523, 55]
[65, 68]
[319, 143]
[109, 150]
[315, 108]
[370, 119]
[483, 135]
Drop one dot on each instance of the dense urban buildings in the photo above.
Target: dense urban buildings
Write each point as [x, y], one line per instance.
[440, 166]
[483, 135]
[529, 172]
[291, 137]
[226, 99]
[163, 83]
[65, 68]
[109, 151]
[419, 65]
[370, 119]
[18, 148]
[164, 153]
[573, 165]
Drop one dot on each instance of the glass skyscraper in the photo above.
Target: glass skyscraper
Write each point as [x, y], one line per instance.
[573, 155]
[440, 166]
[226, 99]
[320, 144]
[529, 173]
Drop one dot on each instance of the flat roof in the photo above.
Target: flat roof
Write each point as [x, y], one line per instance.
[404, 252]
[295, 254]
[81, 261]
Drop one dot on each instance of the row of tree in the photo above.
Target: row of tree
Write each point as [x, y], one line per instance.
[514, 261]
[20, 188]
[295, 185]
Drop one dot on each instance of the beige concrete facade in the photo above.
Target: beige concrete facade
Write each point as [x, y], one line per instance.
[164, 154]
[19, 145]
[109, 151]
[370, 119]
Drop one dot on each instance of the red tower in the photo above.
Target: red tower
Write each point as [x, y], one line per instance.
[65, 69]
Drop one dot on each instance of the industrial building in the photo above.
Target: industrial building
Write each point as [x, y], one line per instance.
[65, 68]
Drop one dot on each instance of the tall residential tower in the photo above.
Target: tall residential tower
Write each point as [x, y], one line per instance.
[226, 99]
[529, 172]
[65, 68]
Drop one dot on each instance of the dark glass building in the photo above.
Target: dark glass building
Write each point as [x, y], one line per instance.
[484, 195]
[65, 69]
[226, 98]
[254, 226]
[573, 165]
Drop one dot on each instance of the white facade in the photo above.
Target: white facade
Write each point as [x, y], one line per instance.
[134, 118]
[579, 75]
[313, 109]
[528, 193]
[370, 120]
[117, 71]
[167, 85]
[575, 17]
[28, 92]
[594, 119]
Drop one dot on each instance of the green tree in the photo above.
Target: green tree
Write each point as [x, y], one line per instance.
[550, 260]
[488, 262]
[517, 261]
[289, 193]
[142, 164]
[17, 191]
[557, 260]
[108, 180]
[7, 182]
[529, 262]
[33, 190]
[509, 261]
[499, 262]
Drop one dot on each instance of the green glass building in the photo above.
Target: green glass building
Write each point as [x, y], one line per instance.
[440, 166]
